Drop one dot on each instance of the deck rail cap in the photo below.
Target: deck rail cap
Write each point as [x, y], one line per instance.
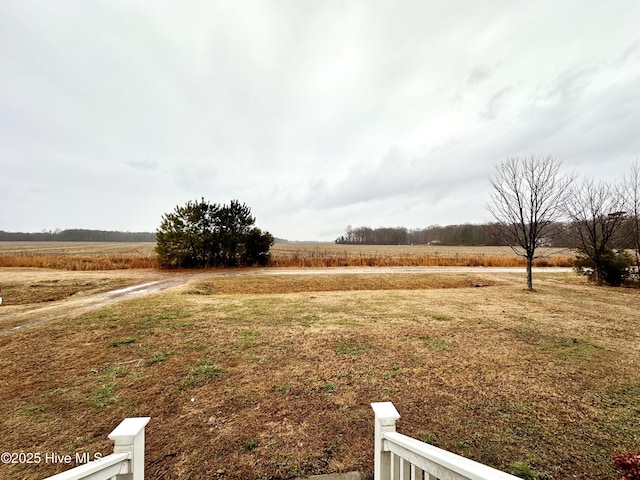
[129, 428]
[385, 410]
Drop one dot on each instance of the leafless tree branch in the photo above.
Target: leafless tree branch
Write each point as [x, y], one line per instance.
[526, 201]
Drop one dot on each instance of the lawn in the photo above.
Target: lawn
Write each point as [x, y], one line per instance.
[272, 377]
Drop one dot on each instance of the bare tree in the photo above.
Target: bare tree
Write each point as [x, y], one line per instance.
[527, 203]
[597, 214]
[631, 189]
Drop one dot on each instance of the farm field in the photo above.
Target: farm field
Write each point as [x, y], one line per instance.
[78, 255]
[334, 255]
[272, 376]
[114, 256]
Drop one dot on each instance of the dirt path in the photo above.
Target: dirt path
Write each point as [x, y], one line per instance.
[76, 305]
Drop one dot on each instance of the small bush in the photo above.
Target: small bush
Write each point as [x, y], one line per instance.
[614, 266]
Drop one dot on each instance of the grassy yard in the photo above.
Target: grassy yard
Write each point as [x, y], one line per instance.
[272, 377]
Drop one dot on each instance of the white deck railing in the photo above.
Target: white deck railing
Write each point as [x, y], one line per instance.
[398, 457]
[125, 463]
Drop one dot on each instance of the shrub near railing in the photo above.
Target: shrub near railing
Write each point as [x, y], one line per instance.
[629, 463]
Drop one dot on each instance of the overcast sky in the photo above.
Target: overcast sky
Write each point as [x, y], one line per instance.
[317, 114]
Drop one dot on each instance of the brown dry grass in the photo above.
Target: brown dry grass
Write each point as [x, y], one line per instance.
[336, 282]
[333, 255]
[116, 256]
[81, 256]
[550, 378]
[79, 262]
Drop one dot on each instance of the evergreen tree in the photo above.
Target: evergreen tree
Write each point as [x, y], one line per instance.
[201, 234]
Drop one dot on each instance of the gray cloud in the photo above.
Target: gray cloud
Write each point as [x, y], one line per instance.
[479, 74]
[317, 114]
[495, 103]
[145, 165]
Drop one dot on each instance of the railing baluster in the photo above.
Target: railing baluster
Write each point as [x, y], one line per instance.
[395, 467]
[416, 473]
[405, 469]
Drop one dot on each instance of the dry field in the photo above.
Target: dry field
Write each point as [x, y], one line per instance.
[115, 256]
[78, 255]
[333, 255]
[271, 377]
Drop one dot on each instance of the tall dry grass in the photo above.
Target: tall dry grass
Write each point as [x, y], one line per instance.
[79, 256]
[362, 259]
[119, 256]
[84, 262]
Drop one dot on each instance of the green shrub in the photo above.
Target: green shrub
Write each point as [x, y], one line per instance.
[614, 267]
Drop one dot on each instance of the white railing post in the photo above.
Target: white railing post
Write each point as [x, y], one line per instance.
[128, 437]
[385, 421]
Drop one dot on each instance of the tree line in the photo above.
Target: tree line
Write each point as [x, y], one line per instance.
[77, 235]
[466, 234]
[471, 235]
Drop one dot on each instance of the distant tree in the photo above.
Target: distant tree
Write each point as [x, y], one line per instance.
[200, 234]
[399, 236]
[631, 191]
[78, 235]
[597, 214]
[526, 203]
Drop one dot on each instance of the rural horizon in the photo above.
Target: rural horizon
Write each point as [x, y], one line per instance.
[47, 235]
[282, 388]
[302, 216]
